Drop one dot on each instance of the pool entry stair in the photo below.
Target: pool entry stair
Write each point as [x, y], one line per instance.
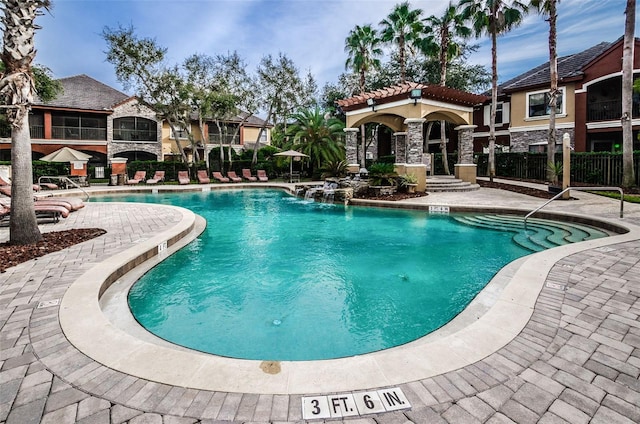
[446, 183]
[539, 234]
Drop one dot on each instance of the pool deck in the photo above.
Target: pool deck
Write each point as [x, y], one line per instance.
[576, 358]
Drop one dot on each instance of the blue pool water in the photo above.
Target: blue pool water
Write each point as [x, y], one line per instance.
[275, 277]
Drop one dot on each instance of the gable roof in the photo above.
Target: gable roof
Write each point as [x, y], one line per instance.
[569, 67]
[84, 92]
[401, 92]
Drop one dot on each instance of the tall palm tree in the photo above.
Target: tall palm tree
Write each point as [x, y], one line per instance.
[492, 17]
[17, 90]
[402, 28]
[362, 46]
[363, 49]
[444, 35]
[628, 174]
[318, 136]
[548, 8]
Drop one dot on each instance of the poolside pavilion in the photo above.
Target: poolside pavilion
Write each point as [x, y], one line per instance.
[405, 108]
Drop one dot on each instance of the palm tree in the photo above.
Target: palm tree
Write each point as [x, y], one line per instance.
[17, 90]
[363, 49]
[403, 28]
[443, 40]
[548, 8]
[492, 17]
[318, 136]
[628, 174]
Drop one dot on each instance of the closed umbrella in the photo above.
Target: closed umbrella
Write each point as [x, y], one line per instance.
[291, 154]
[66, 154]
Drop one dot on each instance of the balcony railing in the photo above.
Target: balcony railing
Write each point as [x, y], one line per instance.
[75, 133]
[226, 139]
[609, 110]
[134, 135]
[36, 131]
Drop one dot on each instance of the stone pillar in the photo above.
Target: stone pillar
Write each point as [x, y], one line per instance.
[351, 147]
[400, 149]
[414, 140]
[465, 169]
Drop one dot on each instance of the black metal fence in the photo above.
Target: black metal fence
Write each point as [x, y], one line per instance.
[586, 168]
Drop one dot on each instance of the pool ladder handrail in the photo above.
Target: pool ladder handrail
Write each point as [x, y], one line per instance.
[578, 189]
[68, 181]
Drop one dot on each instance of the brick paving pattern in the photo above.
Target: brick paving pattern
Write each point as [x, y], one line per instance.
[576, 361]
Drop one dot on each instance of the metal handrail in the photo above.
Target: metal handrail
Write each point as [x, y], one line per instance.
[65, 180]
[578, 189]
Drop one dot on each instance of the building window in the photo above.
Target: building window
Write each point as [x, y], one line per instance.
[538, 103]
[78, 127]
[263, 136]
[502, 114]
[132, 128]
[180, 132]
[227, 133]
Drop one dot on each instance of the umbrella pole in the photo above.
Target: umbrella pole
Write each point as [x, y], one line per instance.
[290, 170]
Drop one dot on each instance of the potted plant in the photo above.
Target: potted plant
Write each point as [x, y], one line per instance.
[555, 170]
[408, 182]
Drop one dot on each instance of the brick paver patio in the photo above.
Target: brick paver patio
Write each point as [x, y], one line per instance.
[576, 361]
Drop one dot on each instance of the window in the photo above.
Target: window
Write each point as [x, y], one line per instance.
[538, 103]
[502, 113]
[225, 134]
[181, 133]
[132, 128]
[263, 136]
[78, 127]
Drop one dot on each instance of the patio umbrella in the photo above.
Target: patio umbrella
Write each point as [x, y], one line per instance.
[65, 154]
[291, 154]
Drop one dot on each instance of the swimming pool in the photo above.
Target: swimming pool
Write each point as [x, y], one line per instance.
[277, 278]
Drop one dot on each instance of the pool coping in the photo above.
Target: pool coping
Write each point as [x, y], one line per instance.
[80, 316]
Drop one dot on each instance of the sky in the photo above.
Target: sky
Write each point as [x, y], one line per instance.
[310, 32]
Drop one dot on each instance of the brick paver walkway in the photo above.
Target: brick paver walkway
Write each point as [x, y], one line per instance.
[576, 361]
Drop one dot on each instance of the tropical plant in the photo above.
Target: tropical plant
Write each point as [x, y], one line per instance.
[334, 168]
[402, 28]
[444, 41]
[382, 174]
[492, 17]
[407, 180]
[318, 136]
[548, 8]
[17, 91]
[554, 171]
[628, 173]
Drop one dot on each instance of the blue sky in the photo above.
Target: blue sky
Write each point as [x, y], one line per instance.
[310, 32]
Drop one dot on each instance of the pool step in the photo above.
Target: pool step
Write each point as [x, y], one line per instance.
[539, 235]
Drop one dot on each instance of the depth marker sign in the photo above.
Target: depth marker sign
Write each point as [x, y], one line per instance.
[350, 404]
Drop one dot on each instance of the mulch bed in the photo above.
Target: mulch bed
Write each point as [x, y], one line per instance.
[12, 255]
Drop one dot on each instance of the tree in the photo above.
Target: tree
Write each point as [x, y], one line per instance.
[139, 64]
[362, 47]
[492, 17]
[548, 8]
[443, 40]
[402, 28]
[628, 174]
[318, 136]
[17, 91]
[281, 91]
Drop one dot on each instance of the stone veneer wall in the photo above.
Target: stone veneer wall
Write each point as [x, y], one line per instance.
[521, 140]
[133, 108]
[400, 151]
[414, 140]
[351, 145]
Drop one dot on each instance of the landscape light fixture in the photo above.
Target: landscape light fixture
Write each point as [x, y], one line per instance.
[415, 94]
[371, 102]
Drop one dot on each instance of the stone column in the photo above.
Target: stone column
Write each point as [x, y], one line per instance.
[400, 149]
[351, 146]
[414, 140]
[465, 169]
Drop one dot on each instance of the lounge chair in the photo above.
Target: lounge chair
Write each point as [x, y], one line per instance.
[262, 175]
[183, 177]
[74, 203]
[246, 174]
[6, 183]
[218, 176]
[203, 178]
[54, 212]
[139, 176]
[157, 177]
[234, 177]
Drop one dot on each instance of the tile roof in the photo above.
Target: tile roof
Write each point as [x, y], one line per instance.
[569, 67]
[84, 92]
[401, 92]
